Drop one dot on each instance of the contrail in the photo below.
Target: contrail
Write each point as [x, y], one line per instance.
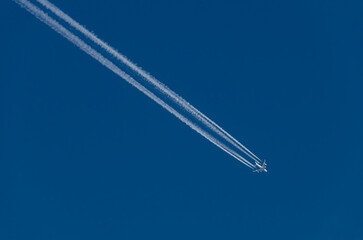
[42, 16]
[153, 81]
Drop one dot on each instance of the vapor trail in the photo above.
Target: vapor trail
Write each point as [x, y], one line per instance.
[107, 63]
[153, 81]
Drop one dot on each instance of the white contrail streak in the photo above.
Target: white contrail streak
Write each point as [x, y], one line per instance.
[107, 63]
[153, 81]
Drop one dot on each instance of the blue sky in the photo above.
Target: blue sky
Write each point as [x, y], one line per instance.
[83, 155]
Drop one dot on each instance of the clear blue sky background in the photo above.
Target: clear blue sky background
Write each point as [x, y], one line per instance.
[83, 155]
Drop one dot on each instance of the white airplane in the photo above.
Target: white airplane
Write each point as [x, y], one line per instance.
[261, 168]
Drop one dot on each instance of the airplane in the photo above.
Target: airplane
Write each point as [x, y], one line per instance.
[261, 168]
